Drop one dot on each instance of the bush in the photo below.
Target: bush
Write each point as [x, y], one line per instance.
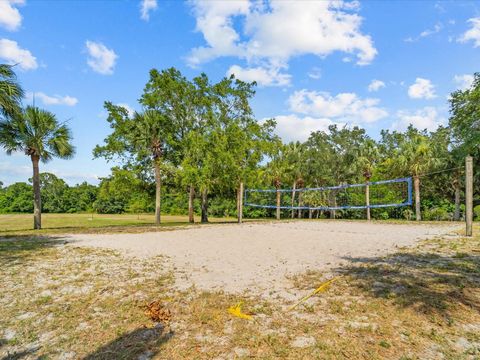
[383, 215]
[408, 214]
[437, 213]
[476, 212]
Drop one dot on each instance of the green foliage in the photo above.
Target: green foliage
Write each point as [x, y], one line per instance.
[53, 191]
[11, 93]
[192, 133]
[119, 192]
[16, 198]
[476, 212]
[57, 196]
[36, 132]
[408, 214]
[437, 213]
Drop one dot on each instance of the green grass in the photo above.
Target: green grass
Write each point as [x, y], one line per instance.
[21, 224]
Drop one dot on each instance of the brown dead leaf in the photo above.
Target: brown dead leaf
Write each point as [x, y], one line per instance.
[157, 312]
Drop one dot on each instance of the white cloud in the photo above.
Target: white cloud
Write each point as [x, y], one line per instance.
[436, 29]
[146, 6]
[101, 59]
[472, 34]
[463, 82]
[376, 85]
[273, 32]
[52, 100]
[422, 89]
[426, 33]
[315, 73]
[263, 76]
[426, 118]
[15, 169]
[293, 127]
[346, 107]
[12, 54]
[10, 17]
[128, 108]
[73, 177]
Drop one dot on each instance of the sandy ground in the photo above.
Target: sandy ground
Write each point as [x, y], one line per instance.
[260, 257]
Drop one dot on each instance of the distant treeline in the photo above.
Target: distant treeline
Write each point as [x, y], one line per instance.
[122, 192]
[195, 144]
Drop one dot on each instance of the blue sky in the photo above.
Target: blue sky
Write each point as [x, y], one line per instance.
[376, 64]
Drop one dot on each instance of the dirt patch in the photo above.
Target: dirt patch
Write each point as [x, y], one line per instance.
[262, 257]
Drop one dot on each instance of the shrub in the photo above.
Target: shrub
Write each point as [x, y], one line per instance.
[408, 214]
[437, 213]
[476, 212]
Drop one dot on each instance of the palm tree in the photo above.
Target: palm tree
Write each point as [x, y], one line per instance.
[294, 156]
[275, 172]
[39, 135]
[415, 156]
[145, 132]
[368, 157]
[11, 92]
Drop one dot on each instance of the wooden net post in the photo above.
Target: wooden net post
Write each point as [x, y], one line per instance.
[240, 203]
[367, 199]
[469, 195]
[278, 204]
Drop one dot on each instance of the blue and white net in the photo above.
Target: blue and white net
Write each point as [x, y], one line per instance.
[386, 193]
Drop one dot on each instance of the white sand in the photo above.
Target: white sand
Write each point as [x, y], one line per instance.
[256, 257]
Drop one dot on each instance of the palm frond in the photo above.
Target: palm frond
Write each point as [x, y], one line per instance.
[37, 132]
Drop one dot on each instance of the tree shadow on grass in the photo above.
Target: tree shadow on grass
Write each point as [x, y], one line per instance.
[21, 248]
[428, 282]
[21, 354]
[132, 345]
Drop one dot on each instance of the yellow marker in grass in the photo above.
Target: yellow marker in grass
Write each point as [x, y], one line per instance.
[321, 288]
[237, 311]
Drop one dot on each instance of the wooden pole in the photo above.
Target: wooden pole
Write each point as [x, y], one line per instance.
[240, 203]
[293, 197]
[416, 184]
[278, 204]
[468, 194]
[367, 200]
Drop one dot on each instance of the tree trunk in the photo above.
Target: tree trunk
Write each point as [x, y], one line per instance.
[310, 213]
[333, 202]
[37, 201]
[240, 203]
[416, 184]
[191, 197]
[158, 191]
[293, 197]
[204, 206]
[456, 214]
[278, 204]
[367, 200]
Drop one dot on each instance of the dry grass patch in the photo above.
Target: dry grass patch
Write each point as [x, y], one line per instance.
[66, 302]
[21, 224]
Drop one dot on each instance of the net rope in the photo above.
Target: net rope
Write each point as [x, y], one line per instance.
[386, 193]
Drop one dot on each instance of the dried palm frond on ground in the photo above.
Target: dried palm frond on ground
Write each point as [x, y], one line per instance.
[157, 312]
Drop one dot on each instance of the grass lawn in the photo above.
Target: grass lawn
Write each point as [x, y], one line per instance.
[67, 302]
[21, 224]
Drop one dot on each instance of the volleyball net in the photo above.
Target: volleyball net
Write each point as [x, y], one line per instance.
[376, 194]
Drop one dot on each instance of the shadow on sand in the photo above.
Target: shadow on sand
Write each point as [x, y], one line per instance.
[427, 282]
[142, 341]
[20, 247]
